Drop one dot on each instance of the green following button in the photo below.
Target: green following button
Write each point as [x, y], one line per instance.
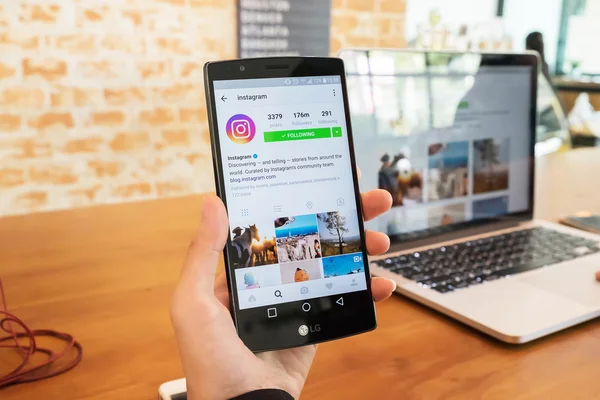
[299, 134]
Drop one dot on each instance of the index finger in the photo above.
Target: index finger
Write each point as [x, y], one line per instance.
[375, 202]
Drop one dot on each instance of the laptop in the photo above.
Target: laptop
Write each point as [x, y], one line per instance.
[451, 136]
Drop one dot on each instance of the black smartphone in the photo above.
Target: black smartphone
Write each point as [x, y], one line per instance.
[284, 166]
[584, 220]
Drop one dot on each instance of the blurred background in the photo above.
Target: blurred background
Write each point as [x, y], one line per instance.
[101, 101]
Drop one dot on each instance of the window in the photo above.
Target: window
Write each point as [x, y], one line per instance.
[579, 32]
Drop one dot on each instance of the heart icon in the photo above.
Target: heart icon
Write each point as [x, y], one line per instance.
[329, 285]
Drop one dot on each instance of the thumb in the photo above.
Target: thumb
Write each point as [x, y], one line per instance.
[205, 250]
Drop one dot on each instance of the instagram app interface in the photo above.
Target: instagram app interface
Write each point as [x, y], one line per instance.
[288, 183]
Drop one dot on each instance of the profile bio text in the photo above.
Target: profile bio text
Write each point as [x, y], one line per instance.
[250, 168]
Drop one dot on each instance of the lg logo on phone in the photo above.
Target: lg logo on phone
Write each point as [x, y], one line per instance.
[240, 129]
[303, 330]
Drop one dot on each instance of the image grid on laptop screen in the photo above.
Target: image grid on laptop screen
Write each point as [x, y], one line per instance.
[447, 137]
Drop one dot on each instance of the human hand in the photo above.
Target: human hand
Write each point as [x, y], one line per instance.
[215, 361]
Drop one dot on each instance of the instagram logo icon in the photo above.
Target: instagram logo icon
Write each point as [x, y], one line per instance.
[240, 129]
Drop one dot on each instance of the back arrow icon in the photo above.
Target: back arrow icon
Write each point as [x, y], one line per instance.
[223, 98]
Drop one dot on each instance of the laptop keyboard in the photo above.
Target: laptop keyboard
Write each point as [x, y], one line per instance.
[448, 268]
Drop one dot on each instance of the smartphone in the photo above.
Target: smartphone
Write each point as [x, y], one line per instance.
[584, 220]
[284, 166]
[173, 390]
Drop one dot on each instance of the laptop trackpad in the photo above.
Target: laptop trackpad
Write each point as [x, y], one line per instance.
[574, 280]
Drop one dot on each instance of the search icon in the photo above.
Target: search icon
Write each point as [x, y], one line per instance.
[278, 293]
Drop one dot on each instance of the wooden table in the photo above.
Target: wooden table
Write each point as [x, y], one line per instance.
[105, 274]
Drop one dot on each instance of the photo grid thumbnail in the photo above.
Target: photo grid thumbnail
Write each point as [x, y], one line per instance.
[400, 179]
[339, 233]
[489, 208]
[490, 165]
[297, 238]
[446, 215]
[448, 170]
[252, 245]
[257, 277]
[301, 271]
[343, 265]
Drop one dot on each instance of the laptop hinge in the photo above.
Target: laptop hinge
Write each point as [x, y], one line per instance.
[460, 234]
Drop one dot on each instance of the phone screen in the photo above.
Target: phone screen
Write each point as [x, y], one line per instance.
[287, 174]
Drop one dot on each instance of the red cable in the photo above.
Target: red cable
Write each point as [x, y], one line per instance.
[22, 373]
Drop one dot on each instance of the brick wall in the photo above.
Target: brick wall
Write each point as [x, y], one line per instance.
[102, 101]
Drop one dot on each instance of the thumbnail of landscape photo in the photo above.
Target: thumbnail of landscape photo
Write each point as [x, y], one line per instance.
[339, 233]
[297, 238]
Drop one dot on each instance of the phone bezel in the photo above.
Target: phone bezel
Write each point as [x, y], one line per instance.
[282, 67]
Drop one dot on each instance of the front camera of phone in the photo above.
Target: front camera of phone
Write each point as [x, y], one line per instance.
[242, 68]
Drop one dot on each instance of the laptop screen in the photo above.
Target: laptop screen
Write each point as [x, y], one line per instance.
[449, 136]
